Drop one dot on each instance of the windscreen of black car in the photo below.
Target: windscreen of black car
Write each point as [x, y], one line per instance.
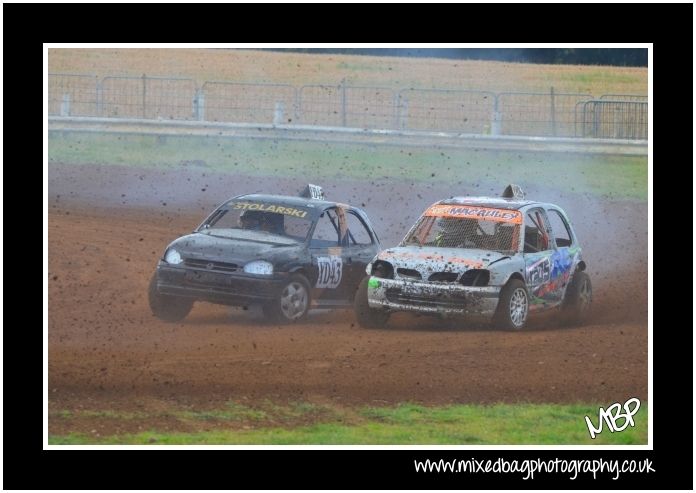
[273, 219]
[467, 227]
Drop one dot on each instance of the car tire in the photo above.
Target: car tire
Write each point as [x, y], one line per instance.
[578, 298]
[165, 307]
[513, 306]
[293, 303]
[368, 318]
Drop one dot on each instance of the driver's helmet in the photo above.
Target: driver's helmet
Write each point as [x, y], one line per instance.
[447, 229]
[251, 219]
[454, 231]
[262, 221]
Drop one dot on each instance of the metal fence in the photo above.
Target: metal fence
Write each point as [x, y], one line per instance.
[343, 105]
[71, 94]
[624, 97]
[613, 119]
[549, 114]
[250, 103]
[147, 97]
[347, 106]
[442, 110]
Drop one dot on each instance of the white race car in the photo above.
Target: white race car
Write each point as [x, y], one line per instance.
[494, 257]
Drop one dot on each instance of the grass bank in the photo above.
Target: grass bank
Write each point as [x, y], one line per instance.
[607, 176]
[307, 423]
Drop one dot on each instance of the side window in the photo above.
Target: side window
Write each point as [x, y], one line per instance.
[560, 229]
[536, 232]
[326, 230]
[357, 232]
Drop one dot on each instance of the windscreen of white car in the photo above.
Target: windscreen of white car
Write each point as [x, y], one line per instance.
[457, 226]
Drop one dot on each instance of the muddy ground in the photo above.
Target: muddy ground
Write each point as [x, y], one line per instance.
[108, 225]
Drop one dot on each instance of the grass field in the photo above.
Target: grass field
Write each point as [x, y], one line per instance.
[393, 72]
[523, 424]
[603, 175]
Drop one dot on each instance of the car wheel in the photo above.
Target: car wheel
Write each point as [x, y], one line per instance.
[513, 306]
[369, 318]
[165, 307]
[292, 304]
[578, 298]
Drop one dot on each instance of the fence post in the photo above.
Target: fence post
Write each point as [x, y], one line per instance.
[495, 123]
[199, 105]
[144, 94]
[596, 110]
[65, 105]
[100, 98]
[397, 111]
[278, 113]
[296, 105]
[343, 102]
[553, 113]
[584, 118]
[403, 112]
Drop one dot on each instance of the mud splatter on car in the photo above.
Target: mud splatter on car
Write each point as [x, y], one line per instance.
[284, 253]
[494, 257]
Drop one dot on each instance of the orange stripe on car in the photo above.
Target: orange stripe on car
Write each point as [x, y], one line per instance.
[473, 212]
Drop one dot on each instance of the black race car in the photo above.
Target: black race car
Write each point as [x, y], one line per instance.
[285, 253]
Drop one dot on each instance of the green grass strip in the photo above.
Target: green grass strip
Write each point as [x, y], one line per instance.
[621, 177]
[407, 424]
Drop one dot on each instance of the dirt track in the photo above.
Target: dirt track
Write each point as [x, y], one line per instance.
[106, 351]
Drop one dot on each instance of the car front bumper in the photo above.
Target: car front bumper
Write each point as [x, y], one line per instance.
[227, 288]
[432, 297]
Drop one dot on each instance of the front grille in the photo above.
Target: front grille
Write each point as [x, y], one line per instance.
[208, 265]
[408, 273]
[395, 295]
[207, 278]
[443, 277]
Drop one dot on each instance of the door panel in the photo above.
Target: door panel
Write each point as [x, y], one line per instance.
[327, 275]
[357, 258]
[360, 251]
[563, 259]
[539, 255]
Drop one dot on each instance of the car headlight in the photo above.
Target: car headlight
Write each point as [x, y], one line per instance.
[382, 268]
[172, 257]
[259, 267]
